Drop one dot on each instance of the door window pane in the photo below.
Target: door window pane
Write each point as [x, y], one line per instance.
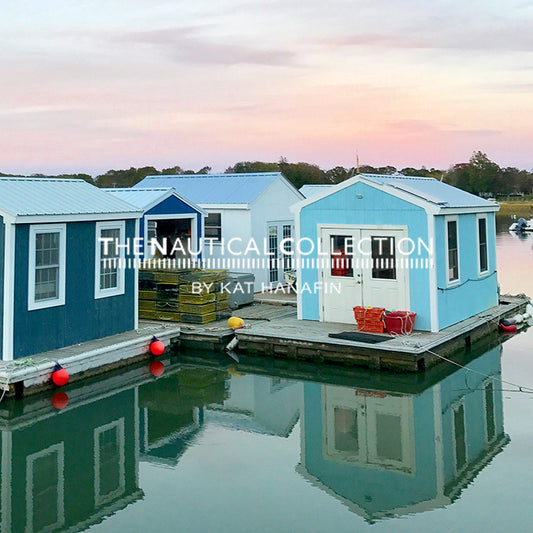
[287, 259]
[341, 260]
[109, 262]
[273, 253]
[383, 257]
[346, 436]
[213, 226]
[489, 411]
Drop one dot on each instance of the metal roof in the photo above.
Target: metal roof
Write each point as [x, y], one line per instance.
[146, 198]
[309, 190]
[215, 188]
[431, 190]
[53, 196]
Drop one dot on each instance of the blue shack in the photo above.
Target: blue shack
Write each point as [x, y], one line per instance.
[60, 284]
[398, 242]
[175, 222]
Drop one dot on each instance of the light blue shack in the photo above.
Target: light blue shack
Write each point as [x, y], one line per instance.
[242, 210]
[59, 286]
[402, 243]
[385, 454]
[168, 216]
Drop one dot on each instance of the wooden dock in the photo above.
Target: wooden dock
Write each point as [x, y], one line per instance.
[82, 360]
[288, 337]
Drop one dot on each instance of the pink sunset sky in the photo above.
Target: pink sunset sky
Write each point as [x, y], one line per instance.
[93, 85]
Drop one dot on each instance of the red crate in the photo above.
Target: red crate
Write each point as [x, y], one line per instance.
[372, 314]
[371, 327]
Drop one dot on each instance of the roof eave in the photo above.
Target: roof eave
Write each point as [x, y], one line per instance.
[77, 217]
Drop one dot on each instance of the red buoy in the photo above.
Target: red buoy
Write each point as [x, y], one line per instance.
[60, 400]
[511, 328]
[156, 347]
[157, 368]
[60, 377]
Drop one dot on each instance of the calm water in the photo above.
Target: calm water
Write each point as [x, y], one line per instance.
[215, 447]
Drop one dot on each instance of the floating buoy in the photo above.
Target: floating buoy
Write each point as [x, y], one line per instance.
[60, 376]
[60, 400]
[156, 347]
[234, 322]
[511, 328]
[157, 368]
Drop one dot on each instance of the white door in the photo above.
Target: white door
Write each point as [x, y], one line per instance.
[362, 268]
[278, 262]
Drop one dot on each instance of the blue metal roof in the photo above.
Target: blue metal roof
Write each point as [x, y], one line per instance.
[309, 190]
[214, 188]
[146, 198]
[431, 190]
[53, 196]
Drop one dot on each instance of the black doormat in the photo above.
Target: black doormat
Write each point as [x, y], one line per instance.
[360, 336]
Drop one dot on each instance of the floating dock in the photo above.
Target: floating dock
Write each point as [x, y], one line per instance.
[288, 337]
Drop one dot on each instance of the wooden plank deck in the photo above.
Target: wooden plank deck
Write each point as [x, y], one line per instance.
[85, 359]
[300, 339]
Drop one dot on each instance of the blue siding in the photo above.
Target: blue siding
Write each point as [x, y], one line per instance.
[376, 207]
[474, 293]
[375, 490]
[82, 317]
[173, 206]
[2, 259]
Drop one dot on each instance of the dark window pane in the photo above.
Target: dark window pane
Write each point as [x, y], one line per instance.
[460, 438]
[346, 435]
[213, 226]
[453, 256]
[483, 259]
[489, 413]
[341, 259]
[383, 258]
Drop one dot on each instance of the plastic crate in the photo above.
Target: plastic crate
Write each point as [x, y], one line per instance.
[400, 322]
[371, 327]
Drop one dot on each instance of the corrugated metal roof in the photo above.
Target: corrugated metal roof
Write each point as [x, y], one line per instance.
[145, 198]
[52, 196]
[309, 190]
[431, 190]
[215, 188]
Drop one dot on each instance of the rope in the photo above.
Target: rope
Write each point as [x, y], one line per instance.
[11, 366]
[520, 388]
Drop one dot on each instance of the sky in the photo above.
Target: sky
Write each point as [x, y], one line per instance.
[91, 85]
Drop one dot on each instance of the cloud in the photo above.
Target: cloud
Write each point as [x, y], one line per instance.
[428, 127]
[184, 45]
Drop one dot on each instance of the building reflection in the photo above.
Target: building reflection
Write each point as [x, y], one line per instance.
[385, 453]
[384, 445]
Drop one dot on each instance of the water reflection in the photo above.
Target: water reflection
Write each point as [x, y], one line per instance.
[383, 444]
[384, 453]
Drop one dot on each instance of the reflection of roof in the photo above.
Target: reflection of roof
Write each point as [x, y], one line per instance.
[145, 199]
[53, 196]
[246, 421]
[215, 188]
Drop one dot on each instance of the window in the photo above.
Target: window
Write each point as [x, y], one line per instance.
[341, 263]
[46, 274]
[273, 253]
[109, 268]
[453, 251]
[109, 473]
[213, 226]
[459, 432]
[383, 258]
[482, 240]
[287, 256]
[490, 417]
[45, 506]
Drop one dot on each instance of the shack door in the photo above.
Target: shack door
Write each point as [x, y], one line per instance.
[362, 268]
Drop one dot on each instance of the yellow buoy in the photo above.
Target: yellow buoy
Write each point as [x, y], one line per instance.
[234, 322]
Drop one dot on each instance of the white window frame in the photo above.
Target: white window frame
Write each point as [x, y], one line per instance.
[449, 282]
[482, 273]
[59, 449]
[34, 231]
[120, 288]
[99, 498]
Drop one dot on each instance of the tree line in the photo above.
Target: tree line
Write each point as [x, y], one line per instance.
[479, 176]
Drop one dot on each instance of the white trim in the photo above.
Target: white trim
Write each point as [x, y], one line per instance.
[210, 207]
[194, 229]
[60, 504]
[52, 219]
[100, 499]
[9, 289]
[453, 282]
[50, 302]
[482, 273]
[432, 273]
[467, 210]
[120, 287]
[136, 283]
[298, 268]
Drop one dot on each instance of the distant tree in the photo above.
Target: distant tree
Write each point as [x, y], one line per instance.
[172, 170]
[252, 166]
[484, 173]
[339, 174]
